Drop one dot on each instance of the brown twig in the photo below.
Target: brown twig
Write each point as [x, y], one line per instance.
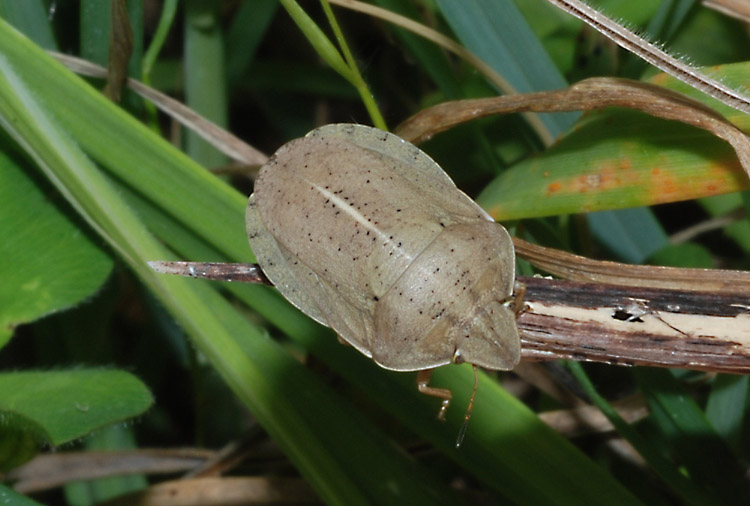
[216, 271]
[703, 327]
[625, 325]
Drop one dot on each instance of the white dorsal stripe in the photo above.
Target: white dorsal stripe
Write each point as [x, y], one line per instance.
[351, 211]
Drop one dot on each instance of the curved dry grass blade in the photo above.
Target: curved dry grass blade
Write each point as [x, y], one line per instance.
[49, 471]
[595, 93]
[578, 268]
[653, 54]
[225, 490]
[719, 222]
[221, 139]
[738, 9]
[588, 419]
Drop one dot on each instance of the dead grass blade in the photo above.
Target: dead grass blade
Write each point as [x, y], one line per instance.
[579, 268]
[739, 9]
[595, 93]
[224, 141]
[654, 54]
[120, 50]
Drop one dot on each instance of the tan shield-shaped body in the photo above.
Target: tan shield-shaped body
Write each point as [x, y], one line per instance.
[366, 234]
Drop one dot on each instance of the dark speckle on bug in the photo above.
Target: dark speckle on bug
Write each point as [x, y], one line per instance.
[400, 229]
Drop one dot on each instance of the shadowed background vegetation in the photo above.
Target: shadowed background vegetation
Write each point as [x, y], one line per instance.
[97, 352]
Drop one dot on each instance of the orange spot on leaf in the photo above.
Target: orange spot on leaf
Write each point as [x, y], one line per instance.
[554, 187]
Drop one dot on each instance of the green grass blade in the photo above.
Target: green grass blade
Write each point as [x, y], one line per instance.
[322, 45]
[160, 172]
[11, 498]
[667, 471]
[498, 34]
[726, 407]
[367, 98]
[31, 18]
[166, 19]
[205, 76]
[632, 235]
[693, 441]
[95, 27]
[245, 34]
[313, 426]
[62, 406]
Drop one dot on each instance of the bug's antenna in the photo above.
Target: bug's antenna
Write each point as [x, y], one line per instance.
[467, 416]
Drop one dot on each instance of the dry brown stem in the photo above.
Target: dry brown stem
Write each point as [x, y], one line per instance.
[595, 93]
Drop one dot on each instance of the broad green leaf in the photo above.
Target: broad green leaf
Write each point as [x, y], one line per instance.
[315, 428]
[313, 425]
[618, 158]
[48, 264]
[60, 406]
[497, 33]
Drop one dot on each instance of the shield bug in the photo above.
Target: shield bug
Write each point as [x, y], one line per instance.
[366, 234]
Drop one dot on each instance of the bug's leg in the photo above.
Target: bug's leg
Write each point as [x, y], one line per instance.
[516, 300]
[423, 385]
[469, 409]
